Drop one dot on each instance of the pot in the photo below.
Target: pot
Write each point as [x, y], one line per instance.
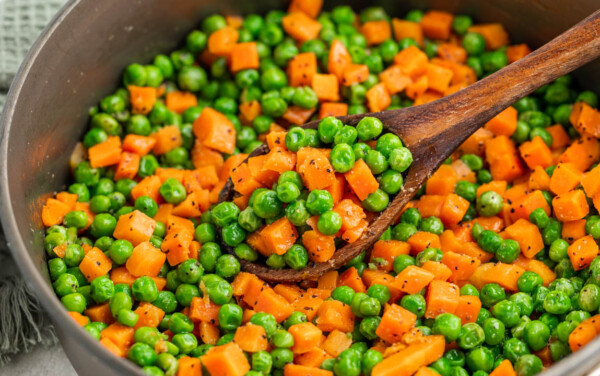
[79, 59]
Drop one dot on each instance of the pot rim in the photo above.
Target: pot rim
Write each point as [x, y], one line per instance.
[577, 363]
[18, 249]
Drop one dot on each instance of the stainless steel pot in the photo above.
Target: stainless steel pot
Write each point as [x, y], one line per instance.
[79, 59]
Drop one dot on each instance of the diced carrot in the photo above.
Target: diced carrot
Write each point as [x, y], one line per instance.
[226, 360]
[410, 359]
[506, 275]
[442, 297]
[189, 366]
[421, 240]
[378, 98]
[300, 26]
[333, 109]
[438, 77]
[452, 52]
[570, 206]
[376, 32]
[244, 56]
[582, 252]
[251, 338]
[145, 260]
[179, 101]
[142, 99]
[135, 227]
[468, 308]
[516, 52]
[311, 8]
[54, 211]
[355, 74]
[215, 130]
[394, 323]
[106, 153]
[279, 236]
[503, 124]
[582, 153]
[149, 186]
[335, 315]
[361, 180]
[140, 145]
[413, 279]
[565, 177]
[351, 279]
[320, 247]
[273, 303]
[222, 41]
[494, 34]
[302, 68]
[437, 24]
[306, 336]
[291, 369]
[407, 29]
[167, 139]
[95, 264]
[442, 182]
[387, 251]
[395, 79]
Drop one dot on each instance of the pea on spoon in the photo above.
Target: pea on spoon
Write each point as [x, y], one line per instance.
[434, 130]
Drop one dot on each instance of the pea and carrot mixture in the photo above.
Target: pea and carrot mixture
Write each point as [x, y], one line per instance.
[299, 191]
[493, 268]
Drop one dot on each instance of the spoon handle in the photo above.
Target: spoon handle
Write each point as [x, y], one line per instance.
[453, 118]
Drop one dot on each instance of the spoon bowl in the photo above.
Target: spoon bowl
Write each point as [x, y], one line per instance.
[432, 132]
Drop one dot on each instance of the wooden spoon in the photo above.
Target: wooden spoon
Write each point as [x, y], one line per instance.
[434, 130]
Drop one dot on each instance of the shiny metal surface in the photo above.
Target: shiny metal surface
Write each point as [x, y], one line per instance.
[79, 59]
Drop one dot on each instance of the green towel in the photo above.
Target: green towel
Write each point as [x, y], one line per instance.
[23, 322]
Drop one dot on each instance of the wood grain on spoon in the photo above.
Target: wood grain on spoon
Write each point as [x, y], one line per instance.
[434, 130]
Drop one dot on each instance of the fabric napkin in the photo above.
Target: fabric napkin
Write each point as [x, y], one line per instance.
[23, 323]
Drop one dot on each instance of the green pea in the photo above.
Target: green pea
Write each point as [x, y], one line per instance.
[295, 318]
[489, 203]
[57, 267]
[492, 293]
[328, 128]
[589, 298]
[528, 365]
[225, 213]
[369, 360]
[209, 253]
[65, 284]
[474, 43]
[142, 354]
[205, 232]
[347, 363]
[368, 326]
[166, 301]
[343, 293]
[184, 293]
[172, 191]
[227, 266]
[267, 205]
[186, 342]
[429, 254]
[281, 357]
[433, 225]
[414, 303]
[233, 234]
[144, 289]
[557, 302]
[102, 289]
[342, 158]
[262, 362]
[489, 241]
[448, 325]
[296, 257]
[536, 335]
[403, 231]
[390, 181]
[480, 359]
[361, 150]
[400, 159]
[369, 128]
[220, 292]
[494, 331]
[103, 225]
[376, 201]
[281, 338]
[508, 251]
[288, 192]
